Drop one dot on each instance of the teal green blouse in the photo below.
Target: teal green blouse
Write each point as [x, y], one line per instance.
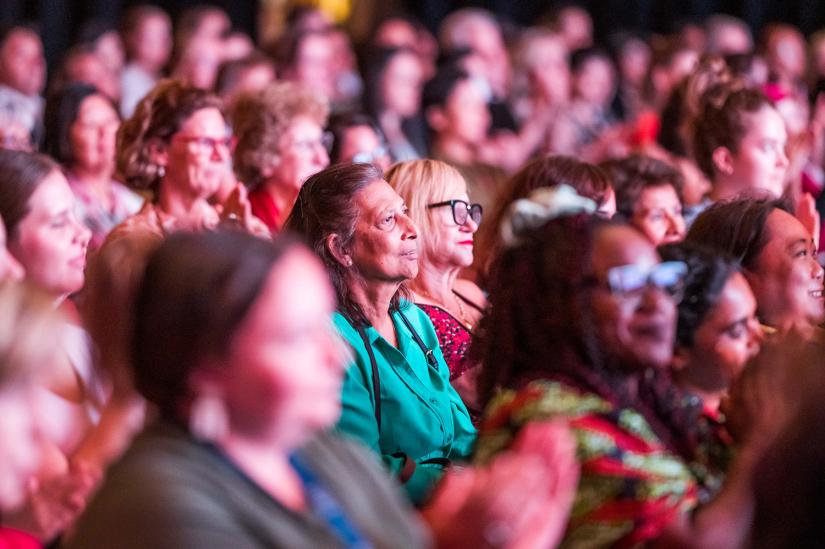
[421, 414]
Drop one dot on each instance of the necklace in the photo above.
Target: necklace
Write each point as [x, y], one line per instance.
[462, 312]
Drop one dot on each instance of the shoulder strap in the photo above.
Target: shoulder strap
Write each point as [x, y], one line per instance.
[428, 353]
[376, 379]
[468, 301]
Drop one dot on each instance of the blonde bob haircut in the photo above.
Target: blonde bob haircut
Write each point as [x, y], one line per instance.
[423, 182]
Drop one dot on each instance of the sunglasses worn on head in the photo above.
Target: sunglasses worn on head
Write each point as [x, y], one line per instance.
[628, 280]
[461, 210]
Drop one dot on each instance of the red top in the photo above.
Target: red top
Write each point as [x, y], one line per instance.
[264, 208]
[15, 539]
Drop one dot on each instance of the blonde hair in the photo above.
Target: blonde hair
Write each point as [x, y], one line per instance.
[423, 182]
[260, 119]
[28, 322]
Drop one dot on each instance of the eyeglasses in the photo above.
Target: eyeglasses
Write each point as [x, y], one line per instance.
[324, 141]
[461, 210]
[205, 145]
[369, 157]
[631, 280]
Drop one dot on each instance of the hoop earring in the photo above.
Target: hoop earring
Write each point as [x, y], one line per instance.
[208, 417]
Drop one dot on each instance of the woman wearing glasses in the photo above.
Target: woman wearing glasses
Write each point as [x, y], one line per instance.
[436, 195]
[397, 398]
[581, 326]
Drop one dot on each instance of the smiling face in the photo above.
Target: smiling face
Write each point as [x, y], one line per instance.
[301, 153]
[786, 277]
[195, 169]
[49, 242]
[385, 244]
[728, 337]
[635, 330]
[285, 361]
[658, 214]
[92, 136]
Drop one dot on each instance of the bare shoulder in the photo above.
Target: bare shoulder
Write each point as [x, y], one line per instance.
[471, 291]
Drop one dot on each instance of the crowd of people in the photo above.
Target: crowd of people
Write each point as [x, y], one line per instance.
[498, 287]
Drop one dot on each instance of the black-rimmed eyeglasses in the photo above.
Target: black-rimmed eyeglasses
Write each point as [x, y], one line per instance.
[461, 210]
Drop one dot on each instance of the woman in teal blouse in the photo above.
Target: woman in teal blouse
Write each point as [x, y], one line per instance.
[397, 398]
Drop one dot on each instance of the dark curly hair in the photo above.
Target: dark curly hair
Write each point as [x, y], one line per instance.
[632, 175]
[541, 325]
[707, 275]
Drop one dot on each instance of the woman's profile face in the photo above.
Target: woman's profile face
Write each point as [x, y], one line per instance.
[637, 329]
[92, 135]
[786, 277]
[198, 154]
[286, 363]
[760, 158]
[729, 335]
[401, 84]
[50, 243]
[453, 242]
[385, 244]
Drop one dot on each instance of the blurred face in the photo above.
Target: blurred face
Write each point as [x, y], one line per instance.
[22, 65]
[301, 153]
[361, 144]
[760, 159]
[634, 62]
[576, 28]
[19, 462]
[658, 214]
[453, 243]
[595, 82]
[385, 244]
[286, 362]
[550, 69]
[728, 337]
[636, 329]
[314, 66]
[92, 136]
[90, 68]
[152, 43]
[110, 49]
[401, 85]
[197, 159]
[485, 40]
[466, 114]
[10, 268]
[49, 242]
[786, 278]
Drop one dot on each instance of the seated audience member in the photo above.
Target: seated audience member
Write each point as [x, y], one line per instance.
[778, 259]
[581, 327]
[394, 79]
[197, 63]
[81, 125]
[397, 397]
[107, 44]
[357, 139]
[574, 25]
[233, 346]
[27, 321]
[147, 37]
[727, 35]
[307, 59]
[438, 203]
[252, 73]
[402, 31]
[740, 145]
[717, 330]
[632, 55]
[22, 77]
[45, 237]
[82, 64]
[281, 142]
[649, 197]
[177, 146]
[586, 179]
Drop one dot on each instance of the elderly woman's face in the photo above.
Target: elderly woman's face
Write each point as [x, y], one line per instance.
[385, 244]
[198, 154]
[453, 243]
[301, 153]
[50, 242]
[636, 328]
[286, 362]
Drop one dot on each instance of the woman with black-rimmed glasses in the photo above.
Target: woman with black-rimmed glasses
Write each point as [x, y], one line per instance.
[436, 194]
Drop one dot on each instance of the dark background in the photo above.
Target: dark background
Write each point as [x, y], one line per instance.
[60, 19]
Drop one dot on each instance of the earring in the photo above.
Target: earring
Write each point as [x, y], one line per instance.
[161, 171]
[208, 418]
[349, 262]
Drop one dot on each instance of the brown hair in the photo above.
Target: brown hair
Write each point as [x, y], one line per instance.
[632, 175]
[158, 116]
[722, 123]
[260, 120]
[20, 173]
[587, 179]
[325, 206]
[197, 289]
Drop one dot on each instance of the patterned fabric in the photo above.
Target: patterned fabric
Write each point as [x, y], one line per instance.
[453, 337]
[631, 486]
[99, 218]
